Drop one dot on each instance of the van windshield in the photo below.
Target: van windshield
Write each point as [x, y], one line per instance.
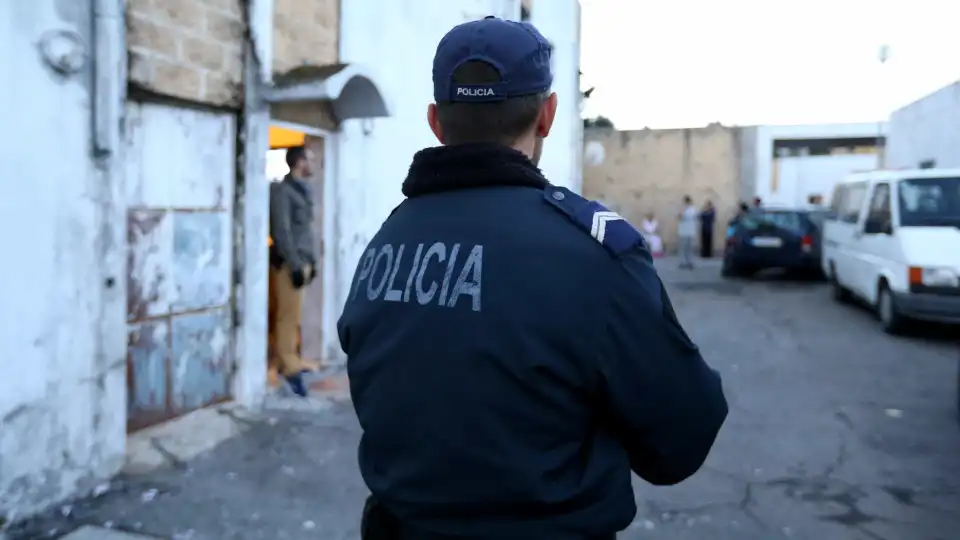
[930, 202]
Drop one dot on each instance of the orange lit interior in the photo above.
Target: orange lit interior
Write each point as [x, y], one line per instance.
[281, 137]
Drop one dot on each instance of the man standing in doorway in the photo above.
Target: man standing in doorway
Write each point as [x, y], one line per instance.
[293, 261]
[687, 232]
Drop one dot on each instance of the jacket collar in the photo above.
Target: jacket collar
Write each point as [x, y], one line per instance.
[470, 166]
[302, 186]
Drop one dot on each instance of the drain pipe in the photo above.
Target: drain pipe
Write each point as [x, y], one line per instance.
[109, 76]
[252, 210]
[108, 97]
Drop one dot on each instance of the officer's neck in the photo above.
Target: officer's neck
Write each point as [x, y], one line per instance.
[527, 147]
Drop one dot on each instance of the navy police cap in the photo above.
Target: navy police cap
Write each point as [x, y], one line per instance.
[516, 50]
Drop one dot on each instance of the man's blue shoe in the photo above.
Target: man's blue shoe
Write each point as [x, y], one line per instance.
[297, 386]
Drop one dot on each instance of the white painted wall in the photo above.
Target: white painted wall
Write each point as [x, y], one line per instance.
[927, 129]
[763, 164]
[561, 161]
[62, 393]
[802, 176]
[373, 156]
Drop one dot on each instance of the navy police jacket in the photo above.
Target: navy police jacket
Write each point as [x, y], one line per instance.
[513, 355]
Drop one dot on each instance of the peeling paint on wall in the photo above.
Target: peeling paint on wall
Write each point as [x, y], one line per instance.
[200, 354]
[201, 259]
[148, 348]
[148, 284]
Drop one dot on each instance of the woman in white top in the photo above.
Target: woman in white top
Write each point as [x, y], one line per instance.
[649, 226]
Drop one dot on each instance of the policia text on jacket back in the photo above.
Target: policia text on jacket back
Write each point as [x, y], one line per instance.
[512, 353]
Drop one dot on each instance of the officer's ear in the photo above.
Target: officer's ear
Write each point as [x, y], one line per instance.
[547, 113]
[434, 122]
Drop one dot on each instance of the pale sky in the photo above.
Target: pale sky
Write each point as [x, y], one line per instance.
[686, 63]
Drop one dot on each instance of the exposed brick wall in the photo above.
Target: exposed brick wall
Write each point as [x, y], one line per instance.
[305, 32]
[651, 170]
[189, 49]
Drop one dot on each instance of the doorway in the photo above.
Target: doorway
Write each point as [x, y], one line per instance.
[282, 137]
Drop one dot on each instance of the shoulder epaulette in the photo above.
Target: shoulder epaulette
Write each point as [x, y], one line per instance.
[607, 227]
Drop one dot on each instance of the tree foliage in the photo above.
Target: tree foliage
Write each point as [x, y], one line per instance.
[598, 122]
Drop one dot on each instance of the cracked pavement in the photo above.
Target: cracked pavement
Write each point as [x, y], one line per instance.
[836, 432]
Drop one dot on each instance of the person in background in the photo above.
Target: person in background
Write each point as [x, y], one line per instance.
[293, 261]
[708, 216]
[757, 202]
[732, 224]
[687, 232]
[653, 239]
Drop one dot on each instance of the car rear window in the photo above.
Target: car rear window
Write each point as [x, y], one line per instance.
[790, 221]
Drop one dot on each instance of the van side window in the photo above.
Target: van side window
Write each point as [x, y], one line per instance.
[878, 216]
[852, 202]
[836, 201]
[880, 203]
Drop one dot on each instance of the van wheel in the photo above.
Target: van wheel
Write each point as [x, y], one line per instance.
[840, 293]
[891, 321]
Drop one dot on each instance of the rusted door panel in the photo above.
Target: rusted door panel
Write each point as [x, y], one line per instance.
[148, 348]
[180, 194]
[148, 280]
[201, 259]
[200, 359]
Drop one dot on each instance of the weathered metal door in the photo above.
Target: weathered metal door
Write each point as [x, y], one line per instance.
[180, 187]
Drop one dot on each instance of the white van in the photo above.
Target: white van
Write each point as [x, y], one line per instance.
[892, 239]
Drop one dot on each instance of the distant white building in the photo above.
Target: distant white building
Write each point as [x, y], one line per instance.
[926, 133]
[786, 165]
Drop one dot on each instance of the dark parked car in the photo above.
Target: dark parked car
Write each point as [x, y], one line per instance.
[787, 238]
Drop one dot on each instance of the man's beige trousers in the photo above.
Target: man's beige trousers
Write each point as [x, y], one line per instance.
[288, 310]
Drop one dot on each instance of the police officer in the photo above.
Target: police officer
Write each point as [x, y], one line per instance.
[512, 352]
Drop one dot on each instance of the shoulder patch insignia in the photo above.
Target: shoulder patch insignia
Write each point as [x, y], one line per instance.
[604, 225]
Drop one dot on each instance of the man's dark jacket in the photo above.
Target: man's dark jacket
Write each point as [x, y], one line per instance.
[291, 224]
[513, 355]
